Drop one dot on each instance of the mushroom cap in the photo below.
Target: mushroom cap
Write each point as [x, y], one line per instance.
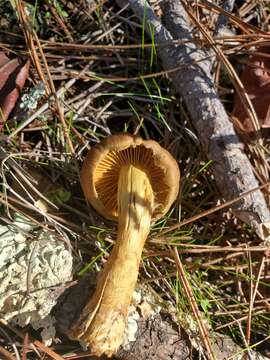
[101, 168]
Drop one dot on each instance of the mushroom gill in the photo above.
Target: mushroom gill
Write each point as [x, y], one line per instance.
[107, 174]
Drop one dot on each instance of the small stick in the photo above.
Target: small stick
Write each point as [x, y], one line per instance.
[190, 296]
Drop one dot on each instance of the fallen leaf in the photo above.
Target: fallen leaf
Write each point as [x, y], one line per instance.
[256, 80]
[13, 74]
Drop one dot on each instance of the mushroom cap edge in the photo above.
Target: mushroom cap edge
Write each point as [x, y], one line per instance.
[120, 142]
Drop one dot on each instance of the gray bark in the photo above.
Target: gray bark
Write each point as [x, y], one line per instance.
[223, 19]
[232, 169]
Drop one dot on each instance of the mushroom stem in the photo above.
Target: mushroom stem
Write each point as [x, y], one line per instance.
[103, 320]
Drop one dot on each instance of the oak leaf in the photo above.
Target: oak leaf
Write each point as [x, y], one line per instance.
[256, 80]
[13, 74]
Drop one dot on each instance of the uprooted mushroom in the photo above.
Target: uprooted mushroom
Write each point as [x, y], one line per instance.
[134, 181]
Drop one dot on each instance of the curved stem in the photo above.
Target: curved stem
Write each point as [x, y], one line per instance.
[103, 320]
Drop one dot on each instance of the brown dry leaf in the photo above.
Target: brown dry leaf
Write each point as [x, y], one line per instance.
[256, 80]
[13, 74]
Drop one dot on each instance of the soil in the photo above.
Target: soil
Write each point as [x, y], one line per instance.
[158, 337]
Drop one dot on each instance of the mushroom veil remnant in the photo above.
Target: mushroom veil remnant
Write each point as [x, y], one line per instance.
[133, 181]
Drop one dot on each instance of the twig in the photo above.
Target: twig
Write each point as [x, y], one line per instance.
[211, 211]
[59, 93]
[232, 168]
[244, 26]
[12, 343]
[7, 355]
[251, 303]
[189, 293]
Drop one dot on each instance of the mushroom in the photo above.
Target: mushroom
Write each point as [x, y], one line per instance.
[134, 181]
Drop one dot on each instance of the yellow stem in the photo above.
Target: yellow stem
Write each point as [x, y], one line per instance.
[103, 320]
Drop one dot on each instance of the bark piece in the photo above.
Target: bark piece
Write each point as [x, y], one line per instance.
[232, 169]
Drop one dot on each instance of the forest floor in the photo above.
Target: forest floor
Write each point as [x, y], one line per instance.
[93, 71]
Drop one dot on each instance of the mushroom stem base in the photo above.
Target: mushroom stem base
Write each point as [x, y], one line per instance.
[103, 320]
